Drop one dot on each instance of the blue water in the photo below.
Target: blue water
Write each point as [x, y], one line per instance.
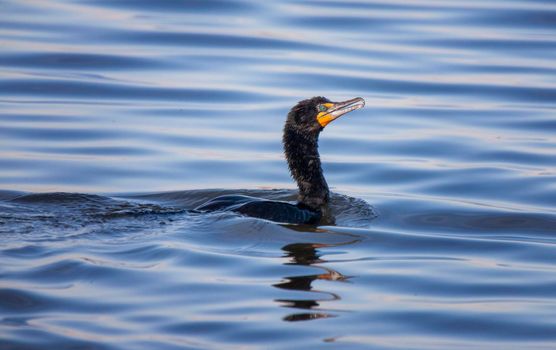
[116, 117]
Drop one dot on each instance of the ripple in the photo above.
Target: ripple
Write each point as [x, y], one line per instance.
[62, 88]
[497, 92]
[513, 18]
[118, 117]
[195, 5]
[61, 61]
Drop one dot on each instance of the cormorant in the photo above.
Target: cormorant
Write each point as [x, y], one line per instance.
[304, 123]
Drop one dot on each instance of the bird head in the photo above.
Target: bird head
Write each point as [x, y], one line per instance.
[310, 116]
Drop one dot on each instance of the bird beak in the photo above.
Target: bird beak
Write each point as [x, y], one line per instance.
[338, 109]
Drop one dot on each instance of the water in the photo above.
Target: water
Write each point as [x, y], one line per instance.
[118, 116]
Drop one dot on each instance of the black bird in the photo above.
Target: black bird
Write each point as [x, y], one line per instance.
[304, 123]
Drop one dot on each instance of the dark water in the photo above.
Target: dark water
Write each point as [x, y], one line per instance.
[116, 116]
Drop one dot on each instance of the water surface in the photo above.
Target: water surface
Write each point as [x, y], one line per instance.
[116, 117]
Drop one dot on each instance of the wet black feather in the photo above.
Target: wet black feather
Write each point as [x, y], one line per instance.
[300, 140]
[301, 136]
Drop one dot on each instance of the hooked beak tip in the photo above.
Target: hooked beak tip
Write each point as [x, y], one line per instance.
[339, 109]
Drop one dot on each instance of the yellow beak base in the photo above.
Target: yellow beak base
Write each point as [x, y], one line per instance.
[336, 110]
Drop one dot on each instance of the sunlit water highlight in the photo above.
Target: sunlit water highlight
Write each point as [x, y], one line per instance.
[116, 117]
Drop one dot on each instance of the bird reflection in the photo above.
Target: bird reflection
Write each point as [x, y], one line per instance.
[307, 254]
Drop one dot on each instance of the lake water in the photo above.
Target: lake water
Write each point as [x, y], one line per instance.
[116, 117]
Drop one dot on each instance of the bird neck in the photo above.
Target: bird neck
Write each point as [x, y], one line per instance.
[303, 158]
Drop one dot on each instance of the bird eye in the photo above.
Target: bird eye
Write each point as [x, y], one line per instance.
[321, 108]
